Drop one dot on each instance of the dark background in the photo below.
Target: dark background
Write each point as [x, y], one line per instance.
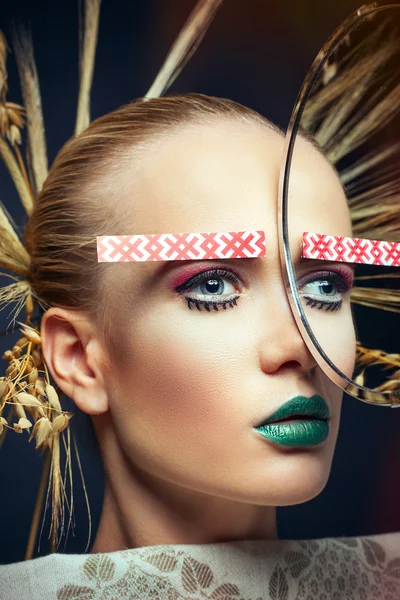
[257, 53]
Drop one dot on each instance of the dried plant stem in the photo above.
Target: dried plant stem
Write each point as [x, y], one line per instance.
[56, 491]
[375, 304]
[7, 222]
[380, 276]
[68, 469]
[184, 46]
[13, 267]
[21, 165]
[382, 298]
[85, 492]
[3, 435]
[23, 189]
[24, 54]
[12, 252]
[38, 506]
[3, 69]
[62, 487]
[368, 163]
[88, 52]
[368, 356]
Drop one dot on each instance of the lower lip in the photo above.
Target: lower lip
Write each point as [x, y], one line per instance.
[296, 433]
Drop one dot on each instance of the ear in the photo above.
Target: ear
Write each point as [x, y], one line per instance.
[74, 356]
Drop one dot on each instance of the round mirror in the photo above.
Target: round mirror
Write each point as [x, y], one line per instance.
[340, 200]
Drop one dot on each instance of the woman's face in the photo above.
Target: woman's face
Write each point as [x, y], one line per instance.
[188, 386]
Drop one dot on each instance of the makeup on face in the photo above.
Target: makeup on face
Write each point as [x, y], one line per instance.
[322, 290]
[325, 288]
[205, 287]
[320, 246]
[299, 422]
[212, 285]
[181, 246]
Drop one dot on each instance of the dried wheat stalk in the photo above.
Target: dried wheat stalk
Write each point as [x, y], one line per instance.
[354, 98]
[28, 76]
[3, 69]
[89, 37]
[11, 122]
[381, 298]
[13, 254]
[368, 358]
[22, 185]
[184, 46]
[36, 406]
[358, 129]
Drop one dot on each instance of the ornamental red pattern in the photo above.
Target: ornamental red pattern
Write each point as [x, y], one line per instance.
[181, 246]
[320, 246]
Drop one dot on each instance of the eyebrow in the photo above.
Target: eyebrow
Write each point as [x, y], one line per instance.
[321, 246]
[181, 246]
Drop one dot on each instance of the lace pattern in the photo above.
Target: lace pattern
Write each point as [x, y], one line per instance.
[365, 568]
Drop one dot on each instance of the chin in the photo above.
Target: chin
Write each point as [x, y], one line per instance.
[302, 482]
[302, 493]
[292, 479]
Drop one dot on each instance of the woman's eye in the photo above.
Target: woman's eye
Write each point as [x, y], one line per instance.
[326, 290]
[323, 287]
[215, 287]
[211, 290]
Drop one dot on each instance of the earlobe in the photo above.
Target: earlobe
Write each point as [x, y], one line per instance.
[73, 356]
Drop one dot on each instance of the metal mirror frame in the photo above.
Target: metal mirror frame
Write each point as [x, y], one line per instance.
[328, 367]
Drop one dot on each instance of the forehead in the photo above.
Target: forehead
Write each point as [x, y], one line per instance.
[224, 176]
[315, 195]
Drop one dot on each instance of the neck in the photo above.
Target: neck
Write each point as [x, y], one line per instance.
[142, 510]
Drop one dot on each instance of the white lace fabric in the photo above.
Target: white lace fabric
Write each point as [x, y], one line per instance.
[362, 568]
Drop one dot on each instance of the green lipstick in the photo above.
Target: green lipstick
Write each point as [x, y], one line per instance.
[301, 421]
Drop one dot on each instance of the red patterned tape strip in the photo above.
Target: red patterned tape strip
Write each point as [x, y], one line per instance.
[181, 246]
[320, 246]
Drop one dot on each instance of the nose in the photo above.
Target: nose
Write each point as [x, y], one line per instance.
[281, 344]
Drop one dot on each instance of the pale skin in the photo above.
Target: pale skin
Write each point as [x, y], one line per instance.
[176, 394]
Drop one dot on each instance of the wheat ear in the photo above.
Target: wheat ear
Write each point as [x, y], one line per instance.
[28, 76]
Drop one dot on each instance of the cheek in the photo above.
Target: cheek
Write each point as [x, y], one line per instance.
[185, 366]
[336, 335]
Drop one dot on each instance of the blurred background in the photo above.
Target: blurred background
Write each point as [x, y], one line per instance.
[256, 53]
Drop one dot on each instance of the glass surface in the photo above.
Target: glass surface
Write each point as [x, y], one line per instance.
[348, 113]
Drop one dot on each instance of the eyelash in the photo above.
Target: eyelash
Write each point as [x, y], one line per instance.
[210, 303]
[331, 306]
[343, 282]
[203, 278]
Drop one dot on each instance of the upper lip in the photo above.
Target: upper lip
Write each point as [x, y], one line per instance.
[315, 406]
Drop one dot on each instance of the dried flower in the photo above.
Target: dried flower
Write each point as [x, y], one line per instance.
[3, 423]
[42, 431]
[8, 355]
[3, 387]
[13, 369]
[60, 423]
[31, 334]
[22, 424]
[53, 398]
[33, 375]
